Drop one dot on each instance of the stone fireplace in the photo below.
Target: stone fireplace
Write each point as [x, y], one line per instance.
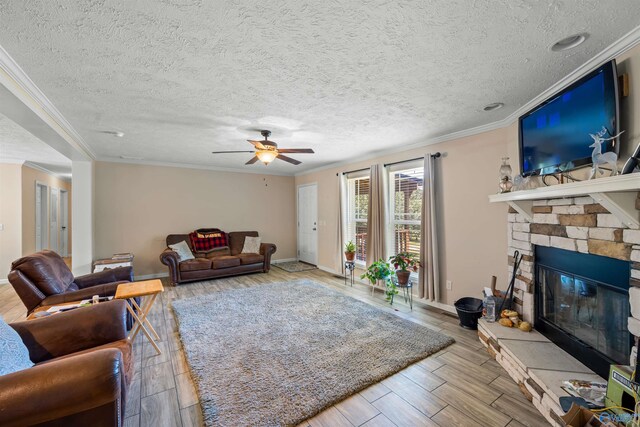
[599, 219]
[576, 224]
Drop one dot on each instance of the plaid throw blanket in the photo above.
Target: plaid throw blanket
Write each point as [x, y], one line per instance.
[205, 239]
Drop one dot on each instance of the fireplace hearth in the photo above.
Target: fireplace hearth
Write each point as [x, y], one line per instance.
[581, 304]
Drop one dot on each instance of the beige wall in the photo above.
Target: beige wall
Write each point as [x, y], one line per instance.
[136, 207]
[472, 232]
[10, 218]
[29, 178]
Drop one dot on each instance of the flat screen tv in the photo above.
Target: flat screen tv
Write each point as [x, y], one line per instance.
[554, 136]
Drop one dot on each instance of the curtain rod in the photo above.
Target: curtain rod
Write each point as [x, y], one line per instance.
[433, 156]
[357, 170]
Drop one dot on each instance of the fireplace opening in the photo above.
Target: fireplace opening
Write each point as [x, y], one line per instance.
[582, 305]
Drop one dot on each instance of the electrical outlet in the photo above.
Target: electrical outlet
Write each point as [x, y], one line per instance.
[449, 285]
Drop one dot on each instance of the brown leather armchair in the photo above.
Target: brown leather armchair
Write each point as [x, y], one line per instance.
[83, 367]
[44, 279]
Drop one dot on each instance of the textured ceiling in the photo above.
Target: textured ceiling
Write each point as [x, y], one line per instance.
[18, 145]
[184, 77]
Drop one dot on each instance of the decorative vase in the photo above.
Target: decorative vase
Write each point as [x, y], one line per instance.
[403, 277]
[505, 176]
[350, 256]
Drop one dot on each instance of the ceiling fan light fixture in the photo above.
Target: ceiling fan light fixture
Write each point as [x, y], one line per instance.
[266, 156]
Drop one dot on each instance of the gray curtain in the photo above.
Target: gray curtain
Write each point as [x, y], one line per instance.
[429, 285]
[376, 218]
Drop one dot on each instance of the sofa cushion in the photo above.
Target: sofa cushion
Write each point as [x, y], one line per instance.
[225, 261]
[195, 264]
[236, 240]
[251, 245]
[183, 250]
[13, 353]
[250, 258]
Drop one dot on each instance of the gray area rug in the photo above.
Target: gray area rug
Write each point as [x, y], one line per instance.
[294, 266]
[277, 354]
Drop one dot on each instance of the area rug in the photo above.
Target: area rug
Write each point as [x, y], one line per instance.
[294, 266]
[278, 354]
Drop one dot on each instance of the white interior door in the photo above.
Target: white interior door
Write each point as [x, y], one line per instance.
[42, 217]
[64, 223]
[53, 220]
[308, 223]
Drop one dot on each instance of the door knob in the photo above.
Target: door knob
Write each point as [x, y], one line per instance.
[314, 229]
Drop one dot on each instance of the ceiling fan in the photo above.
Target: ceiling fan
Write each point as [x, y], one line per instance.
[267, 151]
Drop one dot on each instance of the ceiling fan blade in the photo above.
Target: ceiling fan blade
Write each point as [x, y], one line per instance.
[288, 159]
[252, 161]
[295, 150]
[223, 152]
[257, 144]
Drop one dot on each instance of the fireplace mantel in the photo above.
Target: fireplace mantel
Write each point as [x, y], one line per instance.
[617, 194]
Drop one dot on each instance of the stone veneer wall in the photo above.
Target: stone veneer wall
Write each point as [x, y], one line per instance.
[575, 224]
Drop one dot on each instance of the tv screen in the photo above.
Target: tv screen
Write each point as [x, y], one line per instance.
[554, 136]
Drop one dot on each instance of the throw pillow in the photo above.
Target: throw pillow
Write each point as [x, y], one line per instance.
[183, 250]
[251, 245]
[13, 353]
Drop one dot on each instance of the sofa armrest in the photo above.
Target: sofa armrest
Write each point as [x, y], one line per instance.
[170, 258]
[73, 331]
[117, 274]
[267, 249]
[63, 387]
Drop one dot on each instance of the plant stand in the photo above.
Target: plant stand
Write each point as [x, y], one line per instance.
[349, 268]
[407, 292]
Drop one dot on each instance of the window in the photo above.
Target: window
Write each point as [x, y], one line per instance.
[406, 182]
[357, 210]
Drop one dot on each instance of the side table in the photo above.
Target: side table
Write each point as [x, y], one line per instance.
[349, 268]
[149, 289]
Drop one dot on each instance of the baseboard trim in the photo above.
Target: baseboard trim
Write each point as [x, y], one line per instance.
[441, 306]
[151, 276]
[4, 281]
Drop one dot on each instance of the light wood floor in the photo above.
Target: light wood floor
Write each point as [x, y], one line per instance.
[459, 386]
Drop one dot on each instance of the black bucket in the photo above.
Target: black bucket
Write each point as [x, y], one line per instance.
[469, 311]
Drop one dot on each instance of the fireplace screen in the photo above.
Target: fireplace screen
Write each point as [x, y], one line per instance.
[594, 313]
[582, 305]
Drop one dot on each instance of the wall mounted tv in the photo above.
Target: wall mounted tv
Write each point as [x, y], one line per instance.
[554, 136]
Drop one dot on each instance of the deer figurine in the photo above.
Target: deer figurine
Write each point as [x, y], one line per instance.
[598, 158]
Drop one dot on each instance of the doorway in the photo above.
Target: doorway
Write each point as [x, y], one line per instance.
[42, 217]
[53, 220]
[64, 223]
[308, 223]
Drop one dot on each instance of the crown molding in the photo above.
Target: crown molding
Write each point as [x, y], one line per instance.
[622, 45]
[13, 77]
[47, 171]
[190, 166]
[11, 162]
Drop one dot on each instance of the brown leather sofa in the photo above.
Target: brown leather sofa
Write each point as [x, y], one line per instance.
[220, 262]
[83, 367]
[44, 279]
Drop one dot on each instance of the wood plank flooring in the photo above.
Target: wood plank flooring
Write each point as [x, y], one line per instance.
[461, 385]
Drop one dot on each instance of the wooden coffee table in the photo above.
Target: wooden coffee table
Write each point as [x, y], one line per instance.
[147, 290]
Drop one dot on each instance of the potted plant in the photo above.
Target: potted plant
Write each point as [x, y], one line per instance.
[381, 270]
[350, 250]
[404, 263]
